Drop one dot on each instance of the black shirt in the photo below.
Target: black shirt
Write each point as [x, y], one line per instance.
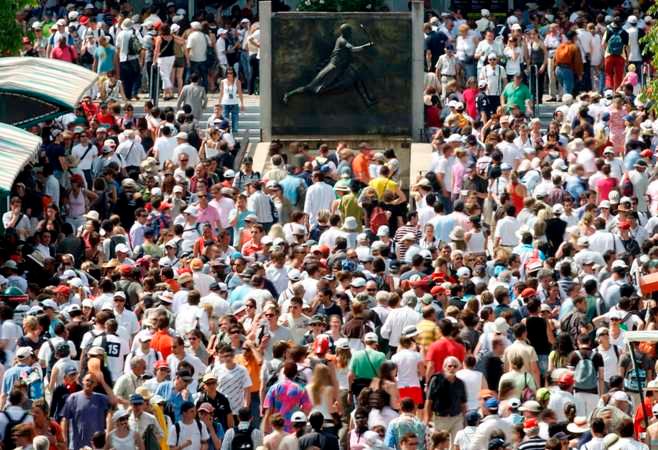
[436, 42]
[492, 368]
[537, 334]
[221, 405]
[322, 439]
[448, 396]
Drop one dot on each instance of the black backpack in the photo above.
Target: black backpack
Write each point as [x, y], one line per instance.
[242, 439]
[8, 441]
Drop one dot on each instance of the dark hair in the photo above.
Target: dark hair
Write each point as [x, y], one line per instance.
[290, 370]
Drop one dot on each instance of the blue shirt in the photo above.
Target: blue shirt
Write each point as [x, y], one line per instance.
[166, 390]
[290, 185]
[14, 374]
[105, 58]
[86, 416]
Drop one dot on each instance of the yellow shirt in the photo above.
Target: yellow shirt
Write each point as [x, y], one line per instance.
[383, 184]
[428, 332]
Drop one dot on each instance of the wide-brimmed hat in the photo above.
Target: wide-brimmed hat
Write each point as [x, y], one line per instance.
[457, 234]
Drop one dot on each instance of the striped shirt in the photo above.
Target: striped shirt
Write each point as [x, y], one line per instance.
[533, 443]
[232, 384]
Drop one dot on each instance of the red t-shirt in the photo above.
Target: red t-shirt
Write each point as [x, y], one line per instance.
[604, 186]
[438, 351]
[469, 98]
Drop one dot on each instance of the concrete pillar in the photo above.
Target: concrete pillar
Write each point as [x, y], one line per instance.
[265, 18]
[417, 63]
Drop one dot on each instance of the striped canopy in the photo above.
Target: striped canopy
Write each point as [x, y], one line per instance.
[17, 148]
[51, 80]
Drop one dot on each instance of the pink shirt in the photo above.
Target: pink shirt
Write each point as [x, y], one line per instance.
[210, 216]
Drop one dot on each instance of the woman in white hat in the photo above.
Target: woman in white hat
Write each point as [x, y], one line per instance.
[122, 437]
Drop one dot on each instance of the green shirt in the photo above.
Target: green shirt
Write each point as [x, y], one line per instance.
[516, 95]
[365, 363]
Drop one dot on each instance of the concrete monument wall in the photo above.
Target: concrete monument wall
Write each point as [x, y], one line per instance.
[341, 74]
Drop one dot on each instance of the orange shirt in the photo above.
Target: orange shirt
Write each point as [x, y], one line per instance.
[162, 342]
[360, 167]
[254, 371]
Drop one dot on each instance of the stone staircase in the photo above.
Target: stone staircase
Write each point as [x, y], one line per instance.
[248, 125]
[545, 113]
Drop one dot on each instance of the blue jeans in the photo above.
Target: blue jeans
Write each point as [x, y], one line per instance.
[234, 112]
[255, 409]
[244, 67]
[566, 78]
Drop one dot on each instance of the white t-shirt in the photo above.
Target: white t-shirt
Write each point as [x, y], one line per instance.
[473, 381]
[190, 432]
[117, 349]
[407, 361]
[610, 361]
[89, 156]
[197, 43]
[10, 332]
[122, 44]
[165, 147]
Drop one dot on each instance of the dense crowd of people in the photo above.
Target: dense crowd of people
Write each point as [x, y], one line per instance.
[156, 296]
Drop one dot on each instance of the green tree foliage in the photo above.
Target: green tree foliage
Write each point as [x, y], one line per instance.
[10, 30]
[650, 43]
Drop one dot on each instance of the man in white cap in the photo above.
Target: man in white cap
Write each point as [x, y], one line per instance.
[483, 23]
[195, 52]
[183, 146]
[495, 76]
[635, 34]
[364, 365]
[129, 47]
[402, 315]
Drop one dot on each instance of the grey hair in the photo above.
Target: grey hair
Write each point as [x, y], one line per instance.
[40, 443]
[451, 360]
[134, 362]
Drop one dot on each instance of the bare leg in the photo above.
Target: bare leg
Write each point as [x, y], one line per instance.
[287, 96]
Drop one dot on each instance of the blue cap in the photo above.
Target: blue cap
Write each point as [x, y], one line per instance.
[223, 124]
[491, 403]
[472, 418]
[505, 166]
[629, 118]
[136, 399]
[605, 116]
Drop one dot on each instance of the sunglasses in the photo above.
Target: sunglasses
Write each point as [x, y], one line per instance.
[269, 316]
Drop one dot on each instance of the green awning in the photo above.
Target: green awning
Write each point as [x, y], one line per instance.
[17, 148]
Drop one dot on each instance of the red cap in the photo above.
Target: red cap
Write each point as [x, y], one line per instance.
[437, 290]
[438, 276]
[325, 250]
[321, 344]
[62, 289]
[160, 364]
[125, 269]
[624, 225]
[164, 206]
[83, 20]
[530, 423]
[423, 283]
[646, 153]
[566, 379]
[528, 292]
